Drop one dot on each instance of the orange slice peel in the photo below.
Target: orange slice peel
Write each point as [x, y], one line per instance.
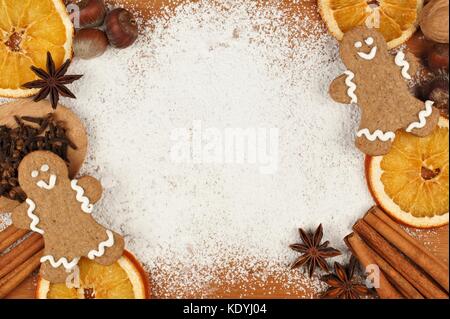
[411, 182]
[125, 279]
[28, 30]
[397, 20]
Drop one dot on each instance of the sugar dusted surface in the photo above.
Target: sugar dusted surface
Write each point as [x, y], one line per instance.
[5, 221]
[198, 228]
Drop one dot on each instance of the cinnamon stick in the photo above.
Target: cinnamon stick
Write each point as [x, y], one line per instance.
[398, 261]
[400, 286]
[14, 278]
[408, 246]
[20, 254]
[12, 238]
[8, 231]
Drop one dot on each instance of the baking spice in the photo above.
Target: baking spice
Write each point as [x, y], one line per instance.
[31, 134]
[406, 268]
[342, 284]
[52, 82]
[314, 252]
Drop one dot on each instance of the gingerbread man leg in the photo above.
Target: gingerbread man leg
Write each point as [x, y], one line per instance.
[372, 138]
[427, 121]
[58, 274]
[373, 148]
[109, 253]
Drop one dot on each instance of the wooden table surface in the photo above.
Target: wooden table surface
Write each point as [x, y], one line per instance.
[436, 240]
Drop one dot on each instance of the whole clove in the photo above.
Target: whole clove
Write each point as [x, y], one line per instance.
[31, 134]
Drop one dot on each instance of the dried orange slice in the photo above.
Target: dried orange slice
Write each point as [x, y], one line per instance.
[125, 279]
[411, 182]
[28, 30]
[397, 20]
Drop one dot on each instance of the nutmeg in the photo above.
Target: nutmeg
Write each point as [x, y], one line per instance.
[434, 20]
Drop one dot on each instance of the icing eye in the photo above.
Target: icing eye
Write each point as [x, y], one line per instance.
[34, 174]
[358, 45]
[44, 168]
[369, 41]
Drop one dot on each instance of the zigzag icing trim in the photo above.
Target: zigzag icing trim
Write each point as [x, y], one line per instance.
[101, 247]
[422, 117]
[61, 261]
[401, 62]
[85, 205]
[34, 219]
[378, 134]
[351, 86]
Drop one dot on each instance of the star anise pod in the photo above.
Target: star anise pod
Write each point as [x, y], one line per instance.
[313, 251]
[52, 82]
[342, 285]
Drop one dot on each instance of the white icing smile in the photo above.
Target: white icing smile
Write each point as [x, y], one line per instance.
[373, 52]
[369, 56]
[41, 183]
[47, 185]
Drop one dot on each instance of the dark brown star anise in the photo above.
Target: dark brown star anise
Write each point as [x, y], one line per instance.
[313, 251]
[342, 285]
[52, 82]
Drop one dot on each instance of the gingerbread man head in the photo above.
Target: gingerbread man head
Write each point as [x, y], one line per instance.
[39, 174]
[361, 47]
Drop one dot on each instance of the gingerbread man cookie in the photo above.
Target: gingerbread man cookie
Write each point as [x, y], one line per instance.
[60, 209]
[376, 81]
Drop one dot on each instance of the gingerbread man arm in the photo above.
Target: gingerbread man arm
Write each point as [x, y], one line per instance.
[92, 188]
[338, 90]
[7, 205]
[414, 64]
[20, 217]
[408, 64]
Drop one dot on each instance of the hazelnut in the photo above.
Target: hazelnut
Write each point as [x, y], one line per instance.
[91, 14]
[89, 43]
[434, 20]
[121, 28]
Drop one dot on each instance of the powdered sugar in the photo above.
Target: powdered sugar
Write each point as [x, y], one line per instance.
[5, 221]
[233, 67]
